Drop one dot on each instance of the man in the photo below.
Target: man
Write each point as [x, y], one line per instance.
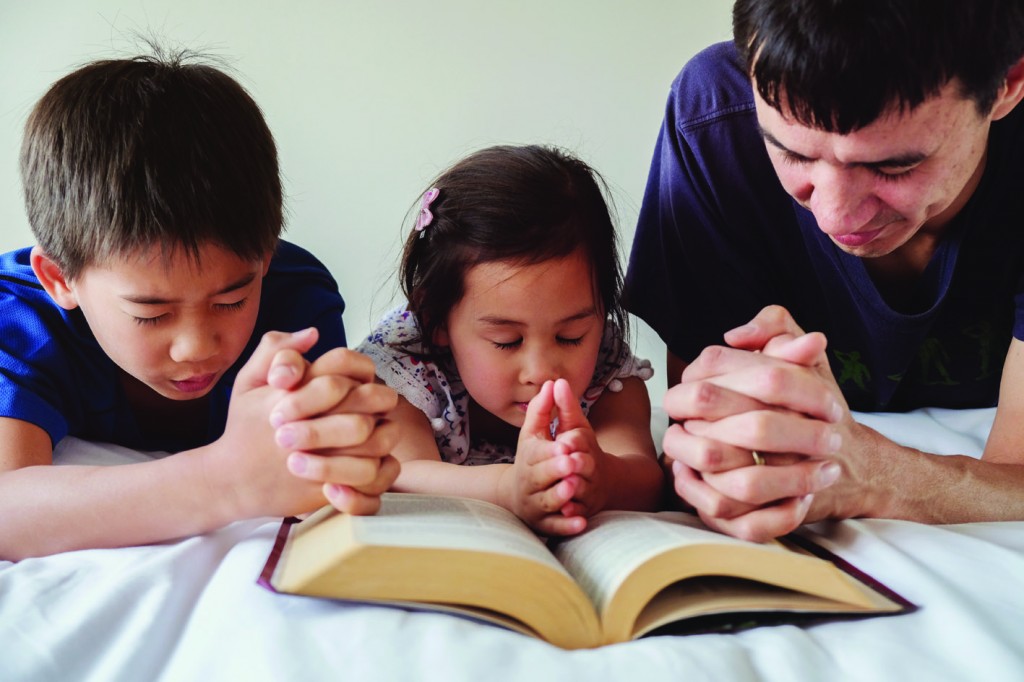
[852, 168]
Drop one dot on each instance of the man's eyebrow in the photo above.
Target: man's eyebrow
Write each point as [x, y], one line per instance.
[239, 283]
[898, 161]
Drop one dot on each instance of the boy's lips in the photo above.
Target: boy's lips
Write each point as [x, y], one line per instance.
[194, 384]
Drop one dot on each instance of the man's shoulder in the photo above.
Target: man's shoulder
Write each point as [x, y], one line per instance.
[291, 258]
[712, 87]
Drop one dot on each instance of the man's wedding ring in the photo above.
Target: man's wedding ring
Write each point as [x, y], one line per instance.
[758, 458]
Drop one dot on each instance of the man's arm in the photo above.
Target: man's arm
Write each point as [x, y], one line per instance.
[734, 401]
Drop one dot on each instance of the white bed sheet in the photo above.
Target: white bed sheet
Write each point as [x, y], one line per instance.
[191, 610]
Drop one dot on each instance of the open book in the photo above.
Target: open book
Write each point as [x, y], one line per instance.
[629, 574]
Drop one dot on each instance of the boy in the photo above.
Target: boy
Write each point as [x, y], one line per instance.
[159, 311]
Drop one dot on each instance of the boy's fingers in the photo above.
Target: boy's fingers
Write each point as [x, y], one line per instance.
[342, 434]
[333, 394]
[287, 369]
[256, 370]
[346, 362]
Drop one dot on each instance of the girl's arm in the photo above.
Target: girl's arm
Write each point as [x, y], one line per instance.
[530, 488]
[630, 474]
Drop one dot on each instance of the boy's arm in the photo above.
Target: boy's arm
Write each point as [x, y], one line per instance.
[46, 509]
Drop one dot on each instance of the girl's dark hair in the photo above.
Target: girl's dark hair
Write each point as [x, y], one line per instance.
[837, 65]
[121, 155]
[524, 205]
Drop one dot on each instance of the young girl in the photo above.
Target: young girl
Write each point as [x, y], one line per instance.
[510, 355]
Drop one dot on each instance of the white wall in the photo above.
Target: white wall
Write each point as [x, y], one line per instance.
[369, 99]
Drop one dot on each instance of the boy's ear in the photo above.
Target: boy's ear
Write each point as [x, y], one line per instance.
[1011, 92]
[52, 278]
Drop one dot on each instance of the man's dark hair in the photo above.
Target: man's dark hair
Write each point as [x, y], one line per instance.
[837, 65]
[122, 155]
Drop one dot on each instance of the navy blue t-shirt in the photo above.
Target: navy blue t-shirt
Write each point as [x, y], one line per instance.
[54, 374]
[718, 239]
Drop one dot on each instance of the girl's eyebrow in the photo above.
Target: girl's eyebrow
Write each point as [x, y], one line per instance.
[240, 283]
[497, 321]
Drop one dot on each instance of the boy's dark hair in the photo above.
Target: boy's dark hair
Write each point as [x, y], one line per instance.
[837, 65]
[121, 155]
[525, 205]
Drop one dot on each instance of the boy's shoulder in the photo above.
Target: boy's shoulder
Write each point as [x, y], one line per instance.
[25, 303]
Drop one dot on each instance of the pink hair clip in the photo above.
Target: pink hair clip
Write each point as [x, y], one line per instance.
[426, 217]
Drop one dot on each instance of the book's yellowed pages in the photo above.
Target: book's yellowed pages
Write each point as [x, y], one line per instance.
[445, 550]
[640, 570]
[628, 574]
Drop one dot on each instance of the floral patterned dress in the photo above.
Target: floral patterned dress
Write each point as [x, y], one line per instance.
[437, 390]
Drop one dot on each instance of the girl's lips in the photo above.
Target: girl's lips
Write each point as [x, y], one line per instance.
[195, 384]
[856, 238]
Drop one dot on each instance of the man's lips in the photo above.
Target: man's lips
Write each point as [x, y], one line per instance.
[856, 238]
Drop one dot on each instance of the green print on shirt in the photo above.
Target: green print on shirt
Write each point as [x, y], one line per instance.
[982, 333]
[932, 361]
[853, 369]
[933, 356]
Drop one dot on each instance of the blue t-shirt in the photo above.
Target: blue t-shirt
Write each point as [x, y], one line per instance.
[54, 374]
[718, 239]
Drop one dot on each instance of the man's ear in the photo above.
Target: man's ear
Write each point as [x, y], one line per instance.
[1010, 93]
[52, 278]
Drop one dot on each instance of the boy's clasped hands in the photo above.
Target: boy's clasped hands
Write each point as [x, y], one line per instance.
[323, 421]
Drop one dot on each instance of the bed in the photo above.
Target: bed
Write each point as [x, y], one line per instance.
[192, 610]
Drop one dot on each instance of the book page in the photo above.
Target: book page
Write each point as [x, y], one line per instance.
[433, 522]
[617, 543]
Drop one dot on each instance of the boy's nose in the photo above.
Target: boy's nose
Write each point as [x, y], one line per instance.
[194, 345]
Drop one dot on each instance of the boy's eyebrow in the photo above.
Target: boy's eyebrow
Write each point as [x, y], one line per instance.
[899, 161]
[497, 321]
[239, 283]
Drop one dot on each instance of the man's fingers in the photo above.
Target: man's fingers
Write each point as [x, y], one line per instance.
[705, 399]
[763, 523]
[769, 380]
[807, 350]
[771, 321]
[703, 454]
[772, 431]
[761, 485]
